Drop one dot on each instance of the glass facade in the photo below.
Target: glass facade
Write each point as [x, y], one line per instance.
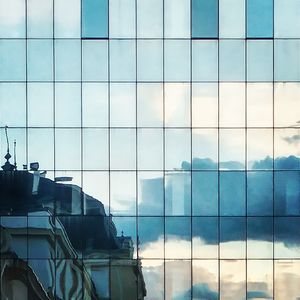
[168, 146]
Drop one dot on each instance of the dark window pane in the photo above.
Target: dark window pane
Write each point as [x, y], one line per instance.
[259, 18]
[204, 18]
[95, 18]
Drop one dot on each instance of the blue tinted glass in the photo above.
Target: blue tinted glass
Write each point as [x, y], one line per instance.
[259, 18]
[204, 18]
[95, 18]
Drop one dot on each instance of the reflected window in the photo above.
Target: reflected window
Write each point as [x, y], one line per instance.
[259, 18]
[94, 18]
[205, 18]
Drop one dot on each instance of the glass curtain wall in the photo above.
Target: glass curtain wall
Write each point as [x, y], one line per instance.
[181, 117]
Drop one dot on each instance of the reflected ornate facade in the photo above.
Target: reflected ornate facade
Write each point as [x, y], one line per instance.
[44, 256]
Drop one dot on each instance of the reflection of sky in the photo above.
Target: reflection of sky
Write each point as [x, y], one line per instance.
[154, 105]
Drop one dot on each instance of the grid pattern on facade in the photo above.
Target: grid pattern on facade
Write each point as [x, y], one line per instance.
[189, 137]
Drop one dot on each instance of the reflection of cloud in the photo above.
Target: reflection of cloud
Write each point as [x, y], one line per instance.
[200, 291]
[258, 295]
[11, 13]
[287, 280]
[294, 139]
[286, 200]
[153, 272]
[233, 280]
[179, 248]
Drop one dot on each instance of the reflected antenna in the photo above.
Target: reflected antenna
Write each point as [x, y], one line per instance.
[15, 153]
[7, 141]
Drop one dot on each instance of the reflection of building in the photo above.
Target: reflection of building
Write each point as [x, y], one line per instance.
[151, 194]
[49, 250]
[177, 193]
[178, 189]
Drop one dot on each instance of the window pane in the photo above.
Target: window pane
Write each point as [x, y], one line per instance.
[153, 273]
[94, 61]
[177, 60]
[205, 193]
[122, 105]
[259, 60]
[122, 60]
[99, 273]
[259, 18]
[205, 279]
[233, 271]
[286, 237]
[177, 105]
[204, 60]
[94, 18]
[178, 193]
[259, 148]
[40, 246]
[95, 184]
[67, 25]
[286, 104]
[67, 105]
[12, 19]
[204, 18]
[232, 67]
[287, 21]
[150, 18]
[177, 18]
[233, 279]
[43, 268]
[150, 60]
[20, 136]
[232, 237]
[13, 60]
[205, 149]
[286, 149]
[13, 104]
[67, 60]
[67, 149]
[205, 104]
[122, 149]
[177, 231]
[70, 225]
[121, 18]
[150, 105]
[232, 19]
[95, 104]
[232, 193]
[74, 204]
[287, 276]
[260, 279]
[232, 149]
[177, 153]
[151, 233]
[40, 113]
[151, 193]
[260, 193]
[286, 193]
[287, 67]
[41, 147]
[260, 237]
[19, 226]
[40, 60]
[95, 149]
[39, 18]
[150, 141]
[232, 104]
[123, 195]
[205, 237]
[259, 105]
